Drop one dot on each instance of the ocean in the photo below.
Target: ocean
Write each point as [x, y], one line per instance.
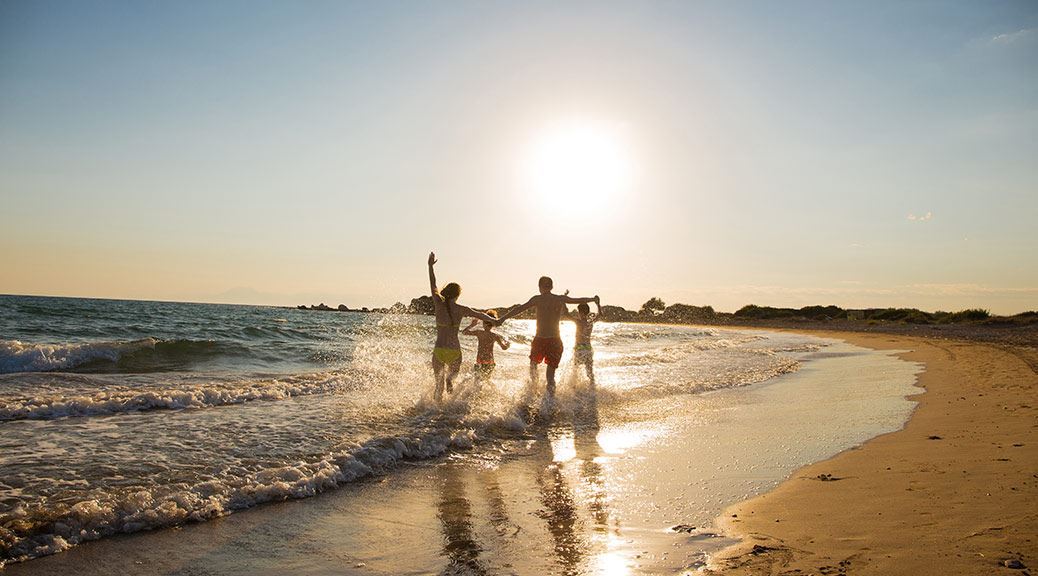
[123, 416]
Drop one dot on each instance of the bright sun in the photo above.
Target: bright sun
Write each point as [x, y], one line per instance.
[579, 164]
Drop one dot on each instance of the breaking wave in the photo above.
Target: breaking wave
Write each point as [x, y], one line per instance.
[145, 355]
[52, 405]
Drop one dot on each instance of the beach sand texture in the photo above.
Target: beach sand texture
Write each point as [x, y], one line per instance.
[954, 492]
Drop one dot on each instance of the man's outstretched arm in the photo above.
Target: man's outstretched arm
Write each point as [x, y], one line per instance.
[516, 310]
[572, 300]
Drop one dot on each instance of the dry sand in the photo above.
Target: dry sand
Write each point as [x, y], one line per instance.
[954, 492]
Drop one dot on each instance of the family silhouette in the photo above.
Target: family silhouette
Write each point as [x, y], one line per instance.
[547, 347]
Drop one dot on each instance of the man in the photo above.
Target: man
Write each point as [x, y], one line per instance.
[547, 345]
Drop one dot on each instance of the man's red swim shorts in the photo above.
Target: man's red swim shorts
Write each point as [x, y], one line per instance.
[547, 350]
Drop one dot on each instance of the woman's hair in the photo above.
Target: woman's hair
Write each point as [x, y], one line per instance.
[448, 293]
[451, 291]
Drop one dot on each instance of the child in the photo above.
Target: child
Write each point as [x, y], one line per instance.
[583, 353]
[484, 367]
[547, 346]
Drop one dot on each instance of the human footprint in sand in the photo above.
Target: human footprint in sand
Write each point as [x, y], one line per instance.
[446, 356]
[486, 339]
[547, 345]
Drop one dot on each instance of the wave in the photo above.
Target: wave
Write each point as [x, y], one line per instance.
[684, 350]
[145, 355]
[106, 402]
[31, 533]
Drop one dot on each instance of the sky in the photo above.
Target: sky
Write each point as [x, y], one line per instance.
[713, 153]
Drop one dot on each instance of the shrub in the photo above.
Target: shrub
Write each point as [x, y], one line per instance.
[653, 305]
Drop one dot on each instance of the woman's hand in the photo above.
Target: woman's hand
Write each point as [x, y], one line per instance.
[432, 258]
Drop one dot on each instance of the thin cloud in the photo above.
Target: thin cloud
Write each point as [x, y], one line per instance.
[852, 288]
[770, 290]
[1011, 37]
[924, 218]
[964, 289]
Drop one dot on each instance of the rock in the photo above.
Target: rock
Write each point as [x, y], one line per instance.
[422, 305]
[686, 528]
[1014, 564]
[344, 308]
[934, 438]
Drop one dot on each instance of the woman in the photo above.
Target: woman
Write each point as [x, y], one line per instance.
[446, 357]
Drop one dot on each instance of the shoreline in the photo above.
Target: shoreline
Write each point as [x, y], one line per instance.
[952, 492]
[576, 496]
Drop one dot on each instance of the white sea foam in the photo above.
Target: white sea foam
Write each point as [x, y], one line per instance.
[30, 534]
[18, 357]
[53, 404]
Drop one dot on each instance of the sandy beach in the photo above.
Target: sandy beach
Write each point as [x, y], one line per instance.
[954, 492]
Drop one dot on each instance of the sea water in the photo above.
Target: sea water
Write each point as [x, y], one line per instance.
[120, 416]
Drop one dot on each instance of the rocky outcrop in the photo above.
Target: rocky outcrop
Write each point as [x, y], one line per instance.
[421, 305]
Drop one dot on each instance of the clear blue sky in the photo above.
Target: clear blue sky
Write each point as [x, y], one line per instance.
[779, 153]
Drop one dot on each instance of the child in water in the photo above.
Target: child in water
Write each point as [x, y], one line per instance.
[583, 353]
[485, 353]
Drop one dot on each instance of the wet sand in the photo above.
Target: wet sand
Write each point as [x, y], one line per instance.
[954, 492]
[590, 492]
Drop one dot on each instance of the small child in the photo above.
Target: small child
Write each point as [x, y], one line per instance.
[484, 367]
[583, 353]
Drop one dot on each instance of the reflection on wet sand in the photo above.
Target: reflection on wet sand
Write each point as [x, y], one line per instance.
[586, 446]
[561, 516]
[498, 510]
[580, 546]
[455, 514]
[485, 528]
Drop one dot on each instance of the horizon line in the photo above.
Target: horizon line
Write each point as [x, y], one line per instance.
[296, 307]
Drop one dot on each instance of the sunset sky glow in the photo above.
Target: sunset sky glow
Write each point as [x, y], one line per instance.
[723, 153]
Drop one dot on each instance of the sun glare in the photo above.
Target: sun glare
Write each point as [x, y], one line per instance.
[578, 164]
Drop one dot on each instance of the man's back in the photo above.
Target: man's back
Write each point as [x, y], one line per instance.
[549, 313]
